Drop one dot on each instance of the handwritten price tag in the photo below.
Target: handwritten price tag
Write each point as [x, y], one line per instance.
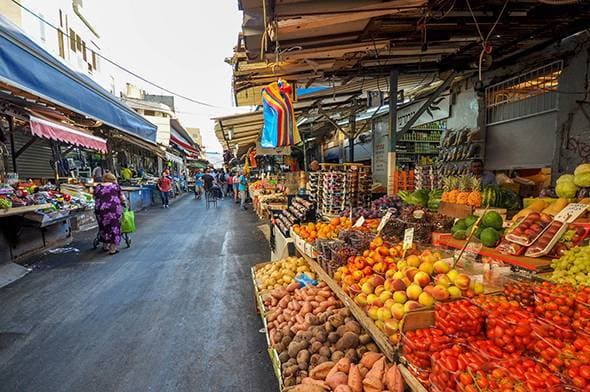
[571, 212]
[359, 222]
[408, 238]
[384, 221]
[473, 247]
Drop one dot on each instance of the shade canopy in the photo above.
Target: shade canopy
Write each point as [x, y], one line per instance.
[55, 131]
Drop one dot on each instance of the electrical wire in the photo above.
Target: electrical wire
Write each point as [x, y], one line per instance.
[112, 62]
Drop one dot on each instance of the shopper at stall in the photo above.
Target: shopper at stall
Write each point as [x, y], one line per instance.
[199, 184]
[485, 177]
[314, 166]
[243, 189]
[98, 173]
[165, 186]
[108, 207]
[229, 179]
[208, 180]
[221, 181]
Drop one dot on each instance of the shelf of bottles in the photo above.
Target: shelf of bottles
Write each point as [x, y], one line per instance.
[421, 143]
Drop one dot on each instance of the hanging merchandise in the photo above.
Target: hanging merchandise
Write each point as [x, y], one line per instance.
[280, 128]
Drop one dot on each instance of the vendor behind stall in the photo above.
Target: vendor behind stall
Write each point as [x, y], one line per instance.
[126, 173]
[98, 173]
[314, 166]
[485, 177]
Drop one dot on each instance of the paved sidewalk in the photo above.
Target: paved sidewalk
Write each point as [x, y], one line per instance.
[175, 312]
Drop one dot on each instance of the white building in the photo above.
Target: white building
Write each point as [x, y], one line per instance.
[74, 39]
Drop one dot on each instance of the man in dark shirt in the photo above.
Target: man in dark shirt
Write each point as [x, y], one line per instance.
[208, 180]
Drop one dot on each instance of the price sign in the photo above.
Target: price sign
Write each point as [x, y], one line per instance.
[571, 212]
[384, 221]
[408, 238]
[359, 222]
[473, 247]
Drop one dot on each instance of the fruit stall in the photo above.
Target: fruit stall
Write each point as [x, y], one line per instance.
[494, 300]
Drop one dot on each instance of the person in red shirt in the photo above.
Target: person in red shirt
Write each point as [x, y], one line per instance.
[165, 185]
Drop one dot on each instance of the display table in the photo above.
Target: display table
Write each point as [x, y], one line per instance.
[138, 197]
[23, 210]
[529, 263]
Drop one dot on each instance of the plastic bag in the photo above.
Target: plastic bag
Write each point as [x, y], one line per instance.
[128, 221]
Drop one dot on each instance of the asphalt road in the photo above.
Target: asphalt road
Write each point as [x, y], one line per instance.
[175, 312]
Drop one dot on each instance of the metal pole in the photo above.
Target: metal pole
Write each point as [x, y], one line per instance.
[351, 135]
[304, 154]
[12, 147]
[393, 82]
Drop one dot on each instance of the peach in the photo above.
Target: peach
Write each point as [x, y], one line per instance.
[411, 272]
[441, 267]
[411, 305]
[389, 303]
[462, 281]
[413, 261]
[380, 267]
[357, 275]
[372, 312]
[443, 280]
[385, 295]
[388, 284]
[413, 291]
[390, 272]
[426, 300]
[372, 298]
[398, 311]
[400, 297]
[454, 292]
[478, 288]
[377, 280]
[422, 278]
[379, 289]
[354, 288]
[390, 326]
[399, 275]
[440, 293]
[426, 267]
[367, 288]
[379, 324]
[399, 285]
[452, 274]
[383, 314]
[361, 299]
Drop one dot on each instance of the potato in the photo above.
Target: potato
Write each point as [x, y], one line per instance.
[303, 357]
[323, 359]
[353, 326]
[333, 337]
[348, 340]
[372, 347]
[352, 355]
[336, 356]
[325, 351]
[314, 360]
[315, 347]
[365, 338]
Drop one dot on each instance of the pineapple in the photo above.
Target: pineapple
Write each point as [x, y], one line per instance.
[454, 191]
[474, 198]
[464, 184]
[446, 189]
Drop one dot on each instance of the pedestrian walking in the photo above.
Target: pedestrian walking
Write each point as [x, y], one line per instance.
[165, 185]
[108, 207]
[243, 189]
[235, 186]
[230, 190]
[98, 173]
[221, 181]
[199, 184]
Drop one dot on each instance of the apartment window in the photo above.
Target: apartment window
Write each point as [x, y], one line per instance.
[61, 19]
[528, 94]
[72, 40]
[78, 43]
[93, 59]
[60, 43]
[84, 50]
[42, 32]
[149, 113]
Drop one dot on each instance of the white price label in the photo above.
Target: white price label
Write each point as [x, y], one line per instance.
[359, 222]
[473, 247]
[571, 212]
[384, 221]
[408, 238]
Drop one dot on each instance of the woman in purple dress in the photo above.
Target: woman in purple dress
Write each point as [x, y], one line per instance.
[109, 201]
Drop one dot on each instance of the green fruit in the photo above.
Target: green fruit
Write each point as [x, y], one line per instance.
[566, 190]
[459, 225]
[459, 235]
[489, 237]
[492, 219]
[478, 232]
[470, 220]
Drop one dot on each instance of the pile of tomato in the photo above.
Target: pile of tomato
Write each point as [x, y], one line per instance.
[419, 345]
[521, 292]
[448, 364]
[459, 318]
[581, 316]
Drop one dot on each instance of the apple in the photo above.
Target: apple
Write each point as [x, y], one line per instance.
[399, 275]
[390, 326]
[454, 292]
[426, 300]
[411, 272]
[441, 267]
[398, 311]
[462, 281]
[367, 288]
[361, 299]
[400, 297]
[383, 314]
[422, 278]
[452, 274]
[440, 293]
[413, 261]
[377, 280]
[413, 291]
[426, 267]
[411, 305]
[372, 312]
[379, 289]
[443, 280]
[385, 295]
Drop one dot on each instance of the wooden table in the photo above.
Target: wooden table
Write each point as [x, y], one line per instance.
[23, 210]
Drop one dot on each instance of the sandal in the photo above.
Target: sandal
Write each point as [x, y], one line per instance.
[113, 253]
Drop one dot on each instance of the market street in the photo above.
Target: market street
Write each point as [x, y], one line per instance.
[175, 312]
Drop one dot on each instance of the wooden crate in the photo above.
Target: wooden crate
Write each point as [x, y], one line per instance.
[454, 210]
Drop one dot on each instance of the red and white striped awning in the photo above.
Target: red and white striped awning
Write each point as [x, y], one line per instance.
[184, 145]
[55, 131]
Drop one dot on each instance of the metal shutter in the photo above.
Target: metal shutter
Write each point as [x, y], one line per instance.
[35, 161]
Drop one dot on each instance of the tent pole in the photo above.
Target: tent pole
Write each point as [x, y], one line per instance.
[12, 147]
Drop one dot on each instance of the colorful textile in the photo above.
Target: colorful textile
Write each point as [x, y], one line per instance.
[280, 128]
[108, 209]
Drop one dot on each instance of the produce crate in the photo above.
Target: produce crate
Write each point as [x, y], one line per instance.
[258, 298]
[454, 210]
[276, 365]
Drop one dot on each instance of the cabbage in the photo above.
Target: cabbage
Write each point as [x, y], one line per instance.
[565, 178]
[583, 168]
[582, 179]
[566, 189]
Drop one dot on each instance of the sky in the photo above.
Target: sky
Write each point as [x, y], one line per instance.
[178, 44]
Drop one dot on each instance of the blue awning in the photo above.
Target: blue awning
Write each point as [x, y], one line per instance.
[28, 67]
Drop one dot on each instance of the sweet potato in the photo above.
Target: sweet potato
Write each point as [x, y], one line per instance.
[293, 286]
[321, 371]
[312, 381]
[354, 379]
[306, 388]
[363, 370]
[369, 359]
[279, 292]
[338, 378]
[375, 375]
[343, 365]
[393, 379]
